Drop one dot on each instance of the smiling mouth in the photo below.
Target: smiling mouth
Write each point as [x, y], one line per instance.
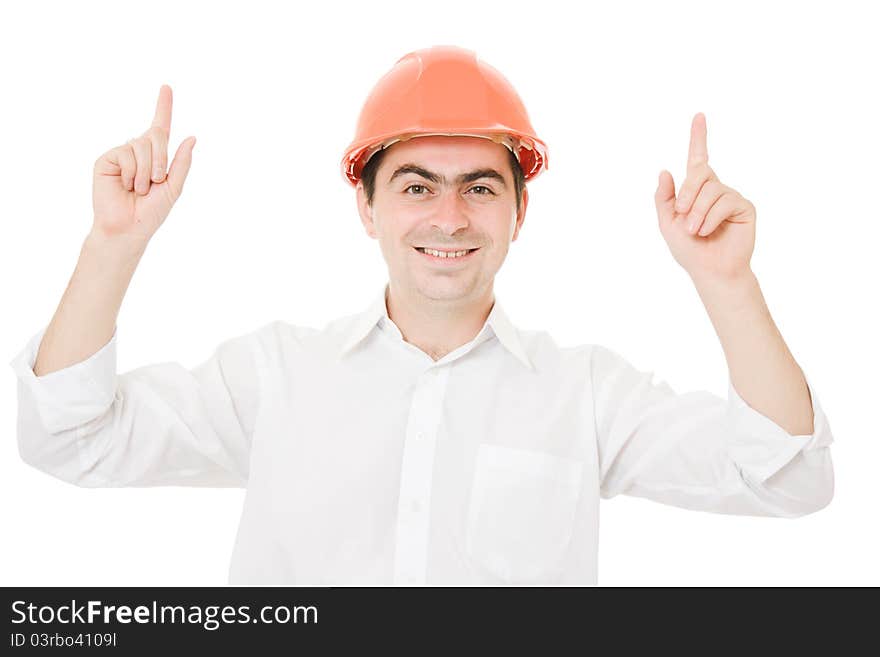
[446, 255]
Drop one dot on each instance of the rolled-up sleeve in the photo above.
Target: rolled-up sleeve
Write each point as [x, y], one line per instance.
[161, 424]
[699, 451]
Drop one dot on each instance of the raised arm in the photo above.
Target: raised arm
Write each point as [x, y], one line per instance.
[131, 195]
[162, 424]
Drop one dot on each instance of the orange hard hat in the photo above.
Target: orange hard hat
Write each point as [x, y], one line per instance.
[443, 90]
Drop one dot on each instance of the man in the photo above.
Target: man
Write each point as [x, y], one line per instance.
[425, 440]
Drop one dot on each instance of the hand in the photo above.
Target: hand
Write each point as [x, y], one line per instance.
[131, 193]
[710, 227]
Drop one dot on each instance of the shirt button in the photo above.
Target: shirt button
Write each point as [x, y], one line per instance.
[415, 506]
[420, 435]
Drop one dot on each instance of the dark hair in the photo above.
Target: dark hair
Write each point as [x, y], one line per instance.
[368, 175]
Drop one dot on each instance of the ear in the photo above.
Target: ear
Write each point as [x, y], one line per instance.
[365, 211]
[522, 213]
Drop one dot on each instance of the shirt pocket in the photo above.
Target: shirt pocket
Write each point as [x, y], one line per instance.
[521, 512]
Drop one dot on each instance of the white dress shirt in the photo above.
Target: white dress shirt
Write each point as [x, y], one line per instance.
[367, 462]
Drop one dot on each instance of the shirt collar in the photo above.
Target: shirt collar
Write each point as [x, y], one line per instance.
[497, 321]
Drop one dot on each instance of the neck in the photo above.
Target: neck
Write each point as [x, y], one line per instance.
[437, 327]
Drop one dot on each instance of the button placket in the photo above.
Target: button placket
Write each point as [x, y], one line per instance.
[417, 464]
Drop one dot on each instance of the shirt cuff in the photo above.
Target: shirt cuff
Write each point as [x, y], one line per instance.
[760, 446]
[71, 396]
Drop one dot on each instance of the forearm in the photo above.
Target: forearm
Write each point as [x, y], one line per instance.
[762, 369]
[86, 316]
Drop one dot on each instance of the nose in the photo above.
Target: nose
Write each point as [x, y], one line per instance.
[450, 213]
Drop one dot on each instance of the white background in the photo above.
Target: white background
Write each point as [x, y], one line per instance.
[267, 229]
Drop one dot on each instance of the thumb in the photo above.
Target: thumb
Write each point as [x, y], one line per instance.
[664, 197]
[180, 166]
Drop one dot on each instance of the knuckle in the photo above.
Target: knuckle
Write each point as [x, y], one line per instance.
[698, 170]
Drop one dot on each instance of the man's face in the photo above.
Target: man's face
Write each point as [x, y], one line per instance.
[425, 197]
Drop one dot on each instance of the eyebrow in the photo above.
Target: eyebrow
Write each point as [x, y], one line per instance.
[470, 176]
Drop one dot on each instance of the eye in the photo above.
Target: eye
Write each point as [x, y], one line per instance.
[482, 187]
[411, 186]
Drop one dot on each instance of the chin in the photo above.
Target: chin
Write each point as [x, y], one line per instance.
[448, 289]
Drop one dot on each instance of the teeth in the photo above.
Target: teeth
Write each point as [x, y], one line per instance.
[444, 254]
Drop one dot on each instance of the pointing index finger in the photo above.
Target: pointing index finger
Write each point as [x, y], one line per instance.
[162, 118]
[697, 152]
